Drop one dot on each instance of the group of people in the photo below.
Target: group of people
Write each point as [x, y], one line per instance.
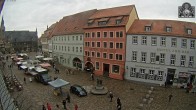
[119, 105]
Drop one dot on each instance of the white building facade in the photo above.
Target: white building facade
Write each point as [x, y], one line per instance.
[157, 58]
[68, 49]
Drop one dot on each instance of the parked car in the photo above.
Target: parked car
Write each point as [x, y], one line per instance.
[78, 90]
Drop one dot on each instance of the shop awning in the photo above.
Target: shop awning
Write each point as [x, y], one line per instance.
[58, 83]
[45, 65]
[47, 59]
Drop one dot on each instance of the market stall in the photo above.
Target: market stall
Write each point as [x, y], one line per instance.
[57, 85]
[45, 65]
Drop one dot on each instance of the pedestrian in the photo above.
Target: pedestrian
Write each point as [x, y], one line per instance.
[30, 79]
[57, 106]
[43, 107]
[64, 104]
[119, 107]
[170, 96]
[118, 101]
[76, 107]
[68, 98]
[92, 76]
[165, 84]
[24, 80]
[111, 96]
[49, 106]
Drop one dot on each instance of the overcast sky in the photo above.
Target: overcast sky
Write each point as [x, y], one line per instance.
[32, 14]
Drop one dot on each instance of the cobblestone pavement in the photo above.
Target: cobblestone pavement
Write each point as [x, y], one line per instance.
[131, 94]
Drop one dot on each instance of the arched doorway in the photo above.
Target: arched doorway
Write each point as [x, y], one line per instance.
[88, 66]
[77, 63]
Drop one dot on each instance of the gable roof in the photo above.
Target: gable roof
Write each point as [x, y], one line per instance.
[111, 12]
[20, 36]
[73, 24]
[179, 28]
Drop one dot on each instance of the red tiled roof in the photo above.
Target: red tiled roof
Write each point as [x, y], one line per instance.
[48, 32]
[159, 28]
[110, 12]
[73, 23]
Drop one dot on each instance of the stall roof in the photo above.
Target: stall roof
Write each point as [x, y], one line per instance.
[45, 65]
[58, 83]
[38, 69]
[39, 56]
[47, 58]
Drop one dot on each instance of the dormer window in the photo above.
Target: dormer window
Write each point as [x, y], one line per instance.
[119, 19]
[168, 29]
[189, 31]
[103, 21]
[147, 28]
[90, 22]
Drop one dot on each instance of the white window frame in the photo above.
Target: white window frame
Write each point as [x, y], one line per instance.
[172, 59]
[163, 41]
[182, 60]
[134, 56]
[184, 43]
[173, 42]
[153, 41]
[97, 66]
[192, 44]
[162, 58]
[142, 71]
[112, 56]
[144, 40]
[104, 44]
[135, 40]
[99, 54]
[152, 57]
[106, 55]
[96, 44]
[132, 72]
[191, 61]
[143, 57]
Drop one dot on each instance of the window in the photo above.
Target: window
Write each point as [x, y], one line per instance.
[98, 44]
[68, 49]
[80, 37]
[152, 57]
[173, 42]
[118, 21]
[97, 65]
[144, 40]
[192, 44]
[89, 54]
[160, 75]
[153, 41]
[76, 49]
[102, 23]
[98, 34]
[143, 56]
[98, 55]
[151, 75]
[117, 34]
[104, 55]
[115, 69]
[111, 34]
[184, 43]
[62, 48]
[110, 56]
[172, 59]
[151, 72]
[80, 49]
[65, 38]
[105, 44]
[73, 37]
[134, 40]
[147, 28]
[86, 53]
[168, 29]
[118, 57]
[111, 45]
[93, 44]
[93, 34]
[88, 43]
[105, 34]
[119, 45]
[76, 37]
[92, 54]
[121, 34]
[132, 72]
[163, 41]
[162, 58]
[142, 71]
[86, 35]
[189, 31]
[191, 61]
[73, 49]
[134, 56]
[182, 60]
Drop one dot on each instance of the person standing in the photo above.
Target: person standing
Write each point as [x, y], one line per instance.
[49, 106]
[64, 104]
[76, 107]
[118, 101]
[43, 107]
[170, 96]
[68, 98]
[111, 96]
[24, 80]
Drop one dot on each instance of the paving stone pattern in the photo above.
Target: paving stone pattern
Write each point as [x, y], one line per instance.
[130, 93]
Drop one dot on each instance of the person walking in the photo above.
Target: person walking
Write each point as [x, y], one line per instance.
[92, 76]
[170, 96]
[111, 96]
[49, 106]
[118, 101]
[76, 107]
[25, 80]
[64, 104]
[43, 107]
[68, 98]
